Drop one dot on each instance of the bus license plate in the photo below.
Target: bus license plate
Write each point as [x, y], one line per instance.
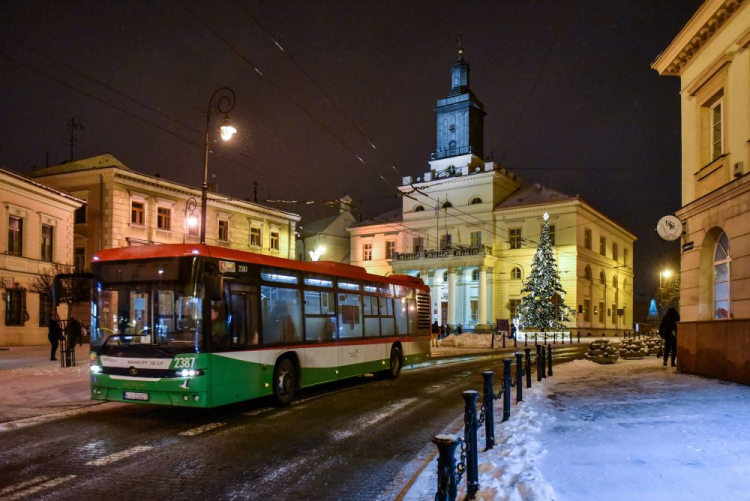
[135, 395]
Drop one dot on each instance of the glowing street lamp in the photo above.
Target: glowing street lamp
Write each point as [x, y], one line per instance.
[221, 102]
[665, 275]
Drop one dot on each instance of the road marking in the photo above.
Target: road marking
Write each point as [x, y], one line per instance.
[258, 411]
[23, 485]
[117, 456]
[33, 421]
[201, 429]
[363, 424]
[33, 489]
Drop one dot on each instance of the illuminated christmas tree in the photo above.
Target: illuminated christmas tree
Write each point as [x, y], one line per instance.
[542, 295]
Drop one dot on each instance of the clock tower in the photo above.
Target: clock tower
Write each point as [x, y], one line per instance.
[460, 116]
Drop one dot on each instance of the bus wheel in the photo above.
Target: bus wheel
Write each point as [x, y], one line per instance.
[395, 368]
[284, 382]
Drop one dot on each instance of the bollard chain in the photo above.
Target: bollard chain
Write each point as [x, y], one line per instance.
[482, 414]
[461, 466]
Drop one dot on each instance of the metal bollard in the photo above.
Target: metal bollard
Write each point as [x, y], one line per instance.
[544, 334]
[503, 340]
[538, 362]
[488, 400]
[519, 377]
[506, 388]
[470, 439]
[549, 361]
[525, 339]
[447, 480]
[544, 363]
[528, 367]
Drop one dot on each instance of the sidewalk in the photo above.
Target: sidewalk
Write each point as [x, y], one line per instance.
[631, 430]
[32, 385]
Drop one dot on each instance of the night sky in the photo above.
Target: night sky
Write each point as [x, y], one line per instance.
[138, 75]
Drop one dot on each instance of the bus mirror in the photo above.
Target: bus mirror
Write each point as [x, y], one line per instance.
[214, 286]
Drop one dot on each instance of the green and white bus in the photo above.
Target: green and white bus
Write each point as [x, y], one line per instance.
[203, 326]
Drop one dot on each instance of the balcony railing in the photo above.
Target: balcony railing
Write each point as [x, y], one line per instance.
[444, 253]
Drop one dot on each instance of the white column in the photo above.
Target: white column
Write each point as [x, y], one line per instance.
[451, 296]
[482, 300]
[434, 295]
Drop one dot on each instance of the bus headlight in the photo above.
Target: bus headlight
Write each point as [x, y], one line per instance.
[95, 368]
[189, 372]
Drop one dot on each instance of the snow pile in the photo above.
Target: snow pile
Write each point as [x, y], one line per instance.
[507, 472]
[470, 340]
[629, 430]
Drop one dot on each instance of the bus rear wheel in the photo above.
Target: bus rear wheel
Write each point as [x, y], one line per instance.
[284, 382]
[395, 367]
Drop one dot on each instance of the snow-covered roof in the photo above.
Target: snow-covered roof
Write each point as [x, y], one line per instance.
[533, 194]
[394, 216]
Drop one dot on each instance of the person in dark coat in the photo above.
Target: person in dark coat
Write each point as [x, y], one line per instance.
[54, 334]
[459, 329]
[442, 331]
[668, 332]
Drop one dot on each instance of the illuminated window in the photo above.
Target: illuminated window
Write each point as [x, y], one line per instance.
[136, 212]
[47, 242]
[717, 129]
[224, 230]
[164, 218]
[255, 237]
[514, 238]
[475, 239]
[418, 244]
[475, 274]
[275, 240]
[390, 249]
[446, 241]
[15, 236]
[515, 273]
[367, 252]
[722, 260]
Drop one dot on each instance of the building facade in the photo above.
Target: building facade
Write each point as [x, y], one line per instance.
[327, 239]
[470, 229]
[124, 208]
[711, 56]
[36, 231]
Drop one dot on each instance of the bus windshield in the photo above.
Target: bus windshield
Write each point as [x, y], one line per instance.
[165, 312]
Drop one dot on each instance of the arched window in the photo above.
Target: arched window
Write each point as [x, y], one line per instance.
[475, 274]
[603, 278]
[447, 205]
[515, 273]
[587, 273]
[475, 200]
[418, 208]
[445, 276]
[614, 282]
[722, 259]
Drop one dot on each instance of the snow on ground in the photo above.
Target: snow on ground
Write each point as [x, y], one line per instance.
[631, 430]
[471, 340]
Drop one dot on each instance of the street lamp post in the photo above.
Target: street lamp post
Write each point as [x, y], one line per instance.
[222, 102]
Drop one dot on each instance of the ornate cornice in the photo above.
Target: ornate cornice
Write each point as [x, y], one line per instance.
[709, 19]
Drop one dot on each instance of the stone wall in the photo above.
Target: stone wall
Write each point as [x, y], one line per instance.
[716, 349]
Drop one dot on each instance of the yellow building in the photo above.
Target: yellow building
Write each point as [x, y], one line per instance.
[124, 207]
[711, 57]
[470, 229]
[36, 231]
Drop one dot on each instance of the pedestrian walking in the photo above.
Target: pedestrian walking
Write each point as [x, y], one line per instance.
[460, 329]
[442, 331]
[668, 332]
[54, 335]
[435, 333]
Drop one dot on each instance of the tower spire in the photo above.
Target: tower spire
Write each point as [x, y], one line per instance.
[458, 45]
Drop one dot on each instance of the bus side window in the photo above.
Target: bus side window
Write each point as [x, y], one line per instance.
[387, 324]
[402, 326]
[350, 315]
[282, 315]
[320, 317]
[372, 322]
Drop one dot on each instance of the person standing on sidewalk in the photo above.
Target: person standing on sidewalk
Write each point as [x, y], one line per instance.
[668, 332]
[54, 334]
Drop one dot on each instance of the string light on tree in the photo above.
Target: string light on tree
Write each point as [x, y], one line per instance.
[542, 297]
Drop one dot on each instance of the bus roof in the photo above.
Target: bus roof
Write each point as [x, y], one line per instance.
[185, 250]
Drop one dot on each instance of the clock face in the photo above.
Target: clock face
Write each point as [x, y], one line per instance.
[669, 228]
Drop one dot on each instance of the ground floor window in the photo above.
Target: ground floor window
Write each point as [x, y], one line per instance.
[15, 307]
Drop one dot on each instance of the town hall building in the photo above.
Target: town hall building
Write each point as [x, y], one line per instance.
[470, 228]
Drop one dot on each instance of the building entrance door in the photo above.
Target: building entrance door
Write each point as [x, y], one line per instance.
[444, 312]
